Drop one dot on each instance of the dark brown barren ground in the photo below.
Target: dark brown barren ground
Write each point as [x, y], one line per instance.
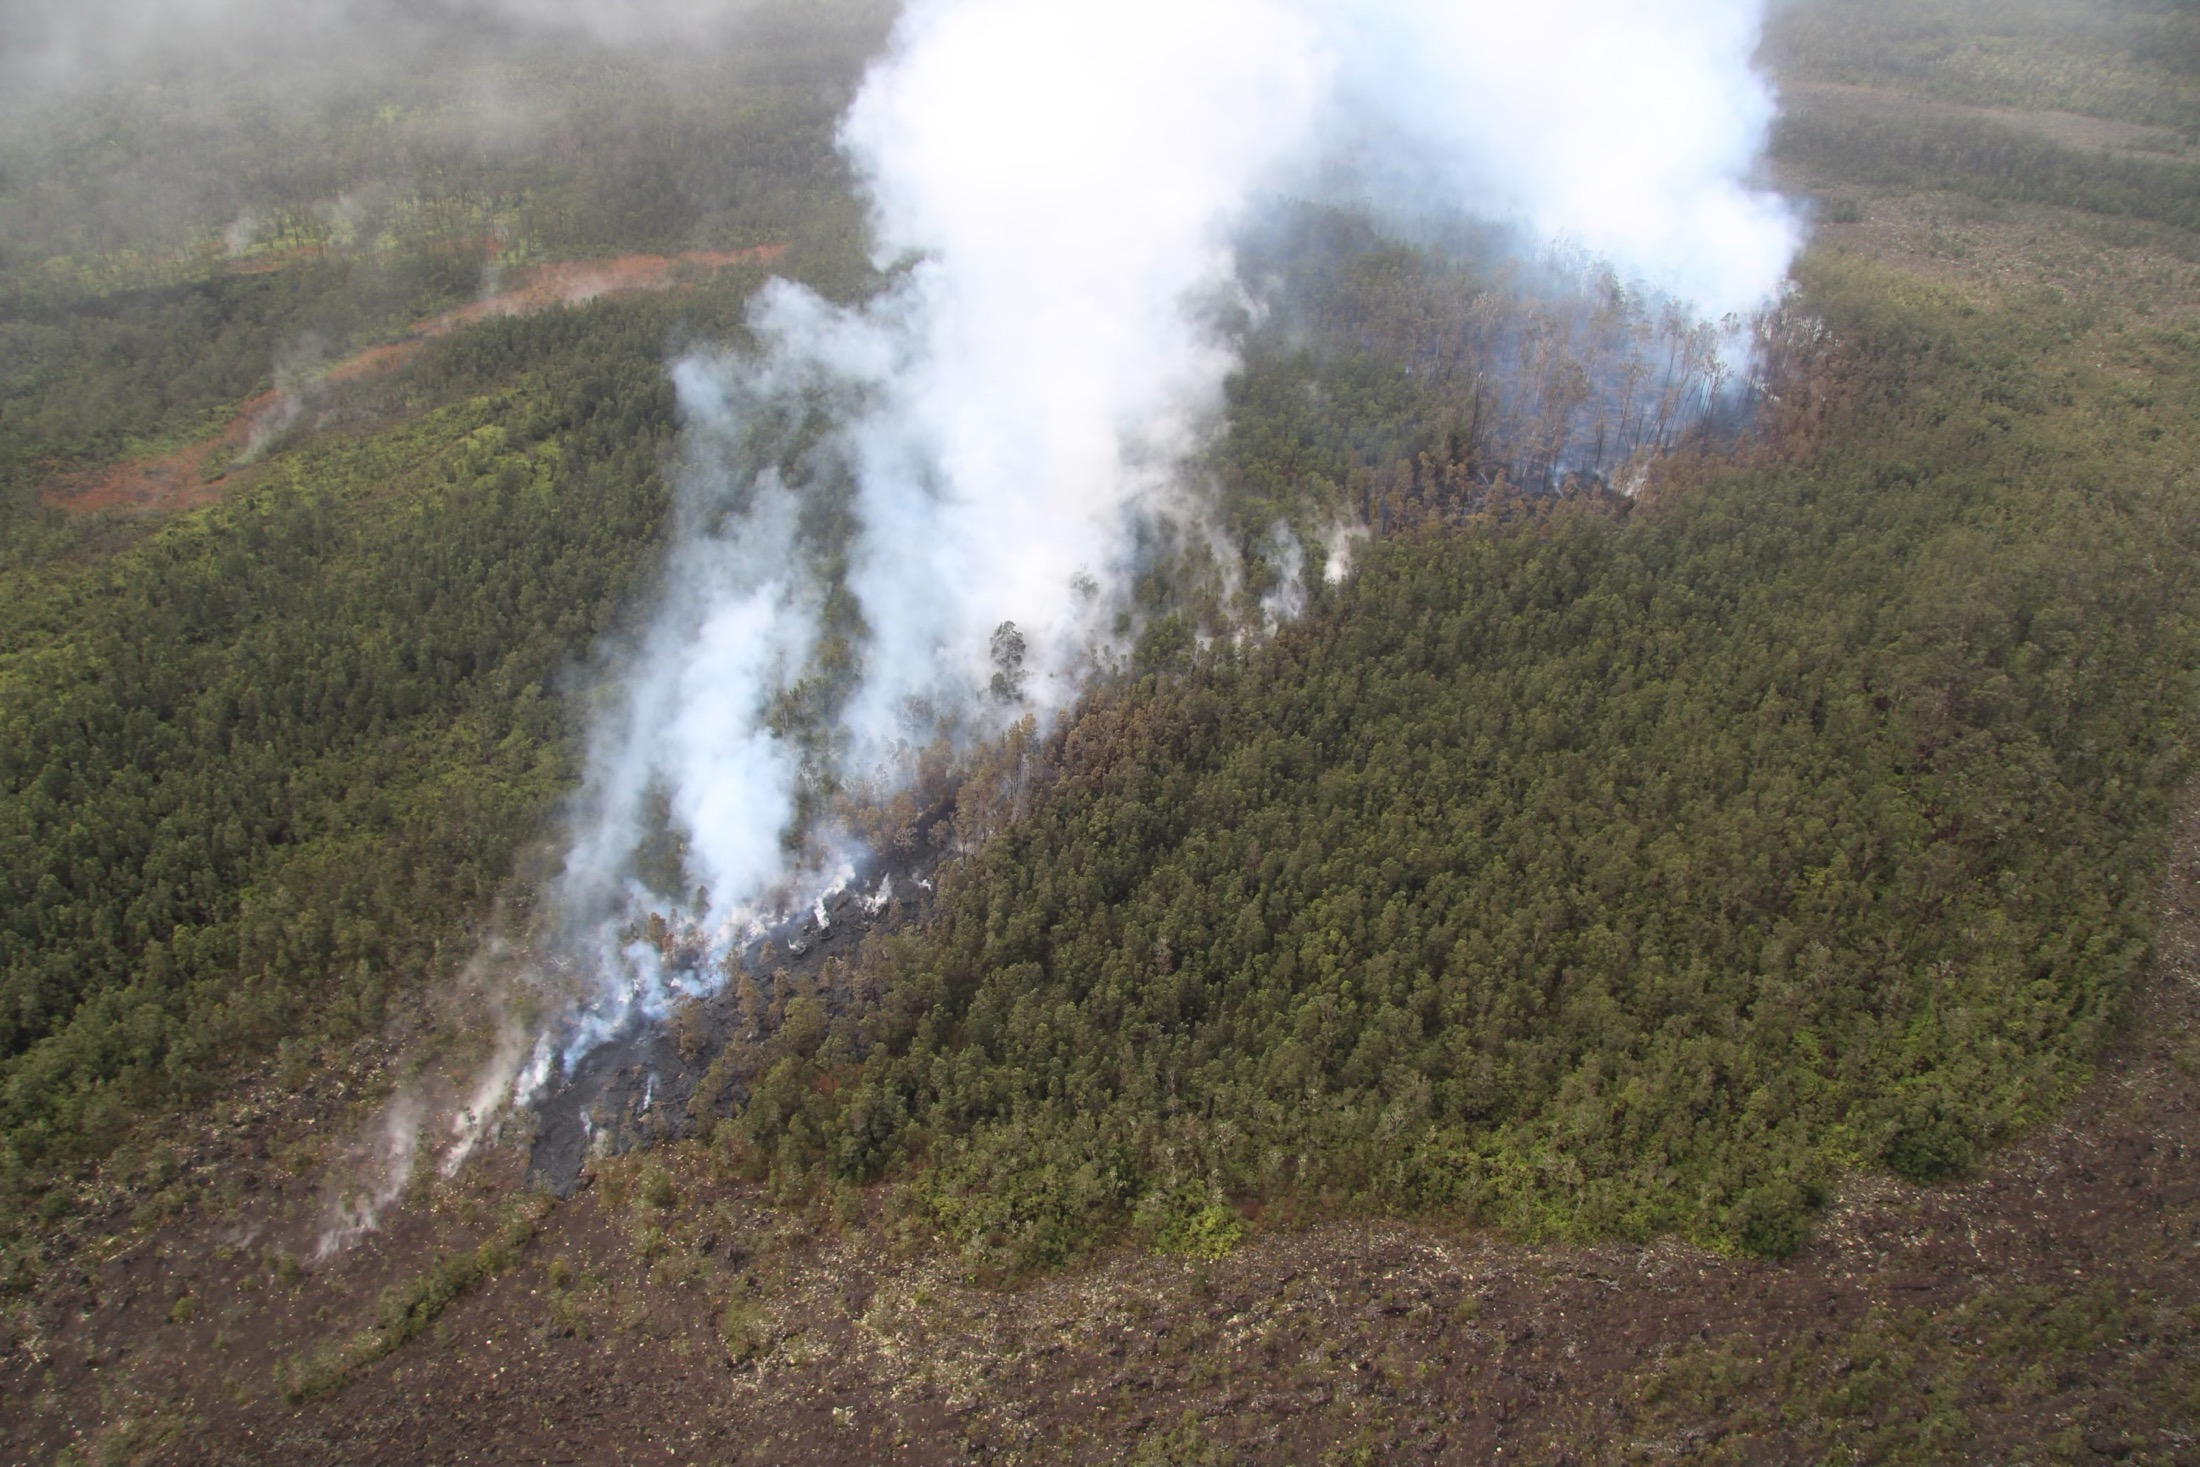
[2048, 1310]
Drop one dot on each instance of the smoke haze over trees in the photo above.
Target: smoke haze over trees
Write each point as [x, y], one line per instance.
[1060, 193]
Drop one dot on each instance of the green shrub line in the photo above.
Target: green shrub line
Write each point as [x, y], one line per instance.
[405, 1311]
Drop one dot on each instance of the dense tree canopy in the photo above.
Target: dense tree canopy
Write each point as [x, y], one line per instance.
[1599, 873]
[271, 758]
[1589, 863]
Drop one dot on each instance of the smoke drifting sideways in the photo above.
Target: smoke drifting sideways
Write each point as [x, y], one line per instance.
[874, 493]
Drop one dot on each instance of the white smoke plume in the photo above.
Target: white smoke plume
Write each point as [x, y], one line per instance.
[1629, 128]
[373, 1175]
[1057, 183]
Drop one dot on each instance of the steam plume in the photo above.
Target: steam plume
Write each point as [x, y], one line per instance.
[873, 492]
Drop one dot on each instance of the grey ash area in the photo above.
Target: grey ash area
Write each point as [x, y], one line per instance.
[640, 1087]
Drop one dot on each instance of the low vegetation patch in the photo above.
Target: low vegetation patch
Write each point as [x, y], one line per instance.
[406, 1310]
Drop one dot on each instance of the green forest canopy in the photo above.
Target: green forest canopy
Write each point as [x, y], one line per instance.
[1587, 871]
[1597, 874]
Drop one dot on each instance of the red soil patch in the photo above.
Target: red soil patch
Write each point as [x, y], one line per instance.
[572, 282]
[375, 360]
[198, 472]
[191, 475]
